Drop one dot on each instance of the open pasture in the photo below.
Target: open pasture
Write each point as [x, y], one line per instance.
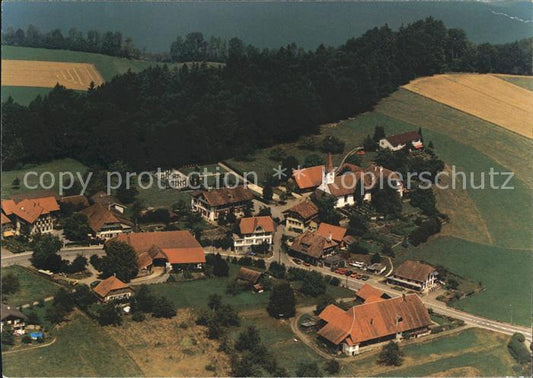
[485, 96]
[31, 73]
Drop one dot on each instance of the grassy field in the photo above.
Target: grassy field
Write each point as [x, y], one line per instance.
[23, 95]
[196, 293]
[82, 349]
[32, 287]
[54, 167]
[485, 96]
[522, 81]
[472, 352]
[502, 272]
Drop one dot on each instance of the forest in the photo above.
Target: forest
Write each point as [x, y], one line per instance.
[198, 113]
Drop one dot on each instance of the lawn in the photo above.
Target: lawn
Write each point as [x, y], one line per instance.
[82, 349]
[23, 95]
[155, 197]
[470, 352]
[55, 166]
[504, 273]
[196, 293]
[32, 286]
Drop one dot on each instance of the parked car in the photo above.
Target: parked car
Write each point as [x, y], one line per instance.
[365, 277]
[297, 261]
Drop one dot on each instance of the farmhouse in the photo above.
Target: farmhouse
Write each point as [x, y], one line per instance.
[108, 201]
[374, 322]
[13, 318]
[254, 231]
[212, 203]
[112, 289]
[105, 224]
[414, 275]
[410, 139]
[369, 294]
[76, 202]
[312, 247]
[7, 227]
[301, 217]
[172, 249]
[37, 215]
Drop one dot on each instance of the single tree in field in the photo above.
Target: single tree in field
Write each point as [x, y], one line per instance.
[379, 133]
[163, 308]
[221, 267]
[10, 283]
[308, 370]
[282, 303]
[390, 355]
[109, 314]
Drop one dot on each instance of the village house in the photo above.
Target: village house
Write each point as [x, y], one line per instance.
[301, 217]
[414, 275]
[175, 250]
[108, 201]
[74, 203]
[13, 318]
[36, 215]
[105, 224]
[7, 227]
[112, 289]
[374, 322]
[312, 248]
[308, 178]
[331, 232]
[400, 141]
[248, 276]
[213, 203]
[254, 231]
[369, 294]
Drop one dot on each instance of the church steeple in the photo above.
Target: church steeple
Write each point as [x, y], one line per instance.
[329, 164]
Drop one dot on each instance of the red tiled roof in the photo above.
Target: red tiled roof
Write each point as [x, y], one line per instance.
[337, 233]
[108, 285]
[35, 194]
[98, 216]
[414, 270]
[367, 292]
[312, 244]
[404, 138]
[184, 255]
[344, 184]
[225, 196]
[150, 245]
[249, 225]
[307, 178]
[374, 320]
[5, 219]
[306, 210]
[30, 209]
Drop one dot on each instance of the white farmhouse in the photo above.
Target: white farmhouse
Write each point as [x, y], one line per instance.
[254, 231]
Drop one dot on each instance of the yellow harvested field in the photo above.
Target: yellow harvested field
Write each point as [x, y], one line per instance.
[484, 96]
[32, 73]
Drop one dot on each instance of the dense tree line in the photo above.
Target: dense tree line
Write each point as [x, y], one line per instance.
[108, 43]
[163, 118]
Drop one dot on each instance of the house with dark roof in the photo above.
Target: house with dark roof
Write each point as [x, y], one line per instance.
[210, 204]
[312, 248]
[254, 231]
[108, 201]
[13, 318]
[414, 275]
[76, 202]
[112, 289]
[249, 276]
[301, 217]
[104, 223]
[410, 139]
[38, 214]
[374, 322]
[173, 249]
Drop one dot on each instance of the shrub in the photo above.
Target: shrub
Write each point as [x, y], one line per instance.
[26, 339]
[138, 317]
[518, 350]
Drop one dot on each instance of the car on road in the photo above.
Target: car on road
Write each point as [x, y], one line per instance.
[307, 264]
[365, 278]
[297, 261]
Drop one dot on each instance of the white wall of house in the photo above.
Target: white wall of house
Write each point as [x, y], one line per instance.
[245, 242]
[350, 350]
[347, 200]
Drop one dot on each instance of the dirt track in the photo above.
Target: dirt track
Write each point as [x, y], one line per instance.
[29, 73]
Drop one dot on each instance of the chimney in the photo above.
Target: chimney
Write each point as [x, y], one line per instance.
[371, 321]
[330, 237]
[403, 297]
[329, 164]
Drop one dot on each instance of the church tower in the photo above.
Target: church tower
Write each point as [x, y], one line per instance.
[328, 174]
